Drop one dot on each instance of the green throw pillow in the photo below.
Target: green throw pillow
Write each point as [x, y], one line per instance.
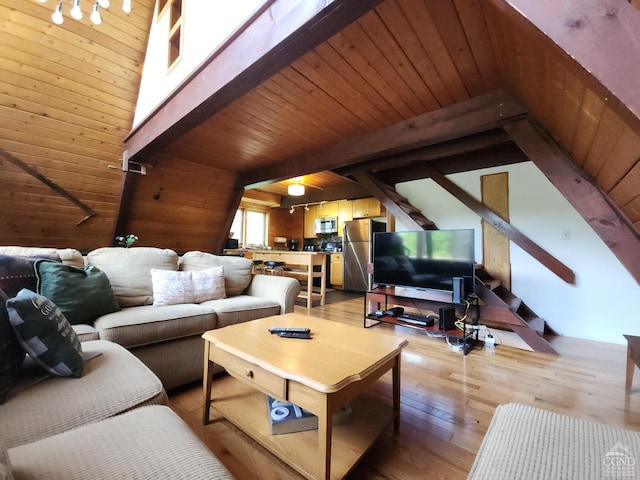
[45, 334]
[82, 294]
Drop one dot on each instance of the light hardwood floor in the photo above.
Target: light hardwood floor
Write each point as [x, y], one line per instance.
[447, 401]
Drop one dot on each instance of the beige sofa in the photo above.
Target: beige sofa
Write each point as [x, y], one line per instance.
[109, 423]
[168, 338]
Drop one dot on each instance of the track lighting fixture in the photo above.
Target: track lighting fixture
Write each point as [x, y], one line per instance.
[76, 11]
[292, 209]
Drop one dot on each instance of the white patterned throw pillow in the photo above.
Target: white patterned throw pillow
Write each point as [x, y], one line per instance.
[175, 287]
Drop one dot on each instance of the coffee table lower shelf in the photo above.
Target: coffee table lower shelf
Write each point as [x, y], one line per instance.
[246, 408]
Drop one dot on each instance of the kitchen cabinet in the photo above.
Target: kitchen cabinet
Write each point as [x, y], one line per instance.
[345, 213]
[336, 270]
[310, 221]
[367, 207]
[327, 209]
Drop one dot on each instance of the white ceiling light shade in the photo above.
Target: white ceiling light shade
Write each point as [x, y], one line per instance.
[95, 15]
[56, 16]
[76, 11]
[295, 190]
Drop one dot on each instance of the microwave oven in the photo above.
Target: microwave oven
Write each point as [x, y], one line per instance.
[327, 225]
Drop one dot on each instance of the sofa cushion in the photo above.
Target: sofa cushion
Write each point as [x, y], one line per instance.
[17, 273]
[6, 471]
[147, 443]
[68, 256]
[45, 334]
[173, 288]
[241, 308]
[237, 270]
[129, 270]
[113, 382]
[11, 353]
[86, 332]
[82, 294]
[147, 324]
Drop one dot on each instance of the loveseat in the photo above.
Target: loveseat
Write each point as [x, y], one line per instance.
[166, 334]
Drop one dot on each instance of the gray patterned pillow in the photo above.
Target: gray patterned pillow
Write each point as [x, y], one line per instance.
[45, 334]
[11, 353]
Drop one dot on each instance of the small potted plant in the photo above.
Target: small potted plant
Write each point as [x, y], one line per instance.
[127, 241]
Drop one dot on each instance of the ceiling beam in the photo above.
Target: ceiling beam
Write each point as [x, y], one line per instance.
[504, 227]
[279, 35]
[580, 190]
[379, 190]
[479, 114]
[472, 143]
[500, 155]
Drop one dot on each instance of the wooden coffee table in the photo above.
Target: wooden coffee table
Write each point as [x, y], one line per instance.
[321, 375]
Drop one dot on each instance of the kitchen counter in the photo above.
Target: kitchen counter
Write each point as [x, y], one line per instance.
[302, 265]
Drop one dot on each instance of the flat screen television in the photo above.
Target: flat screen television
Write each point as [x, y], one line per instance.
[425, 259]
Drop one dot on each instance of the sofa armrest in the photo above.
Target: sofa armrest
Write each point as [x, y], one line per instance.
[282, 290]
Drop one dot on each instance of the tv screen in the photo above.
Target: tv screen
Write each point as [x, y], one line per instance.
[426, 259]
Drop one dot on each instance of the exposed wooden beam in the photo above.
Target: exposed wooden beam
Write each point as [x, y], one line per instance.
[377, 189]
[49, 183]
[403, 171]
[280, 35]
[533, 249]
[462, 119]
[472, 143]
[261, 198]
[581, 191]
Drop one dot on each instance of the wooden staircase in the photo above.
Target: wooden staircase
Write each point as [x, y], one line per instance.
[499, 307]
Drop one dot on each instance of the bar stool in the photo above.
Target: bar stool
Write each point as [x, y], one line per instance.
[271, 267]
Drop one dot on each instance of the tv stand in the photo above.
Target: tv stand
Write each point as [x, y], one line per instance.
[383, 297]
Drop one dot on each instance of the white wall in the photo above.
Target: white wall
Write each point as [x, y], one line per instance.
[600, 304]
[206, 24]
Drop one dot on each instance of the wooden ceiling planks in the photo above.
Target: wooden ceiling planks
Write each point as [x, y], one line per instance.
[67, 101]
[67, 96]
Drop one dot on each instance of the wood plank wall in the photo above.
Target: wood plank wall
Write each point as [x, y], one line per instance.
[179, 205]
[572, 109]
[285, 224]
[67, 97]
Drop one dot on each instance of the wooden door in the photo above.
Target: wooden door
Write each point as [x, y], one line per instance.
[496, 255]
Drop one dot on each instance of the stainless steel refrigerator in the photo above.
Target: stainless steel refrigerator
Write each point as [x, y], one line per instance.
[358, 249]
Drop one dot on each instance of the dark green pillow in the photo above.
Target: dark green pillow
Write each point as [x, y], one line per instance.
[45, 334]
[82, 294]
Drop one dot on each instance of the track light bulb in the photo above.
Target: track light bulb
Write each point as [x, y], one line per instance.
[103, 3]
[95, 15]
[126, 6]
[76, 11]
[57, 15]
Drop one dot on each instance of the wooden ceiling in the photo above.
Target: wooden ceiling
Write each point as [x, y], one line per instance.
[398, 61]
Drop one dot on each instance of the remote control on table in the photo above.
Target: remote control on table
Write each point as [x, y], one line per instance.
[305, 336]
[289, 329]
